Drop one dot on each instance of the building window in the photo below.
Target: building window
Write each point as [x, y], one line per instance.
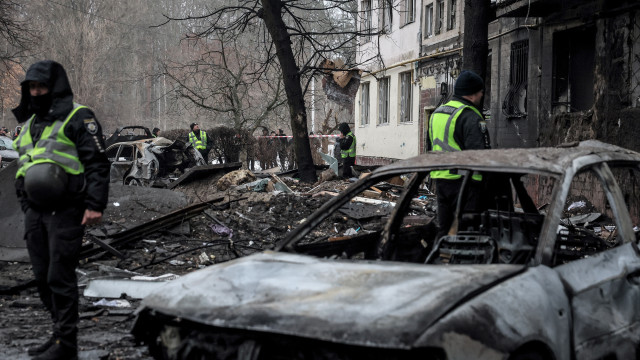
[408, 11]
[428, 21]
[365, 25]
[364, 104]
[383, 101]
[384, 18]
[515, 103]
[573, 69]
[405, 96]
[439, 16]
[452, 14]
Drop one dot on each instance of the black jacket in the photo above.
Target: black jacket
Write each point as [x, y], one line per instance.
[92, 187]
[470, 132]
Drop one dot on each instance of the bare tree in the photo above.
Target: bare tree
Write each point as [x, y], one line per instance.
[301, 35]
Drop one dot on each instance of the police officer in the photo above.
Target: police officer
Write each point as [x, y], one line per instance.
[347, 143]
[199, 140]
[62, 184]
[455, 126]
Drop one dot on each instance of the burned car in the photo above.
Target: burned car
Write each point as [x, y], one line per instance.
[7, 153]
[128, 133]
[547, 267]
[153, 162]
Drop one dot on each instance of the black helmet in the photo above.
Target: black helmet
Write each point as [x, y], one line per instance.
[45, 184]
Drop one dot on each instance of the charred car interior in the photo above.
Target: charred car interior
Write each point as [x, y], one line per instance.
[153, 162]
[518, 277]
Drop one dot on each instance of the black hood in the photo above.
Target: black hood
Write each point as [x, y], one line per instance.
[344, 128]
[55, 78]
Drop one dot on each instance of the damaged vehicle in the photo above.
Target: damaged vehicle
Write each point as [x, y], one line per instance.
[547, 267]
[128, 133]
[7, 153]
[153, 162]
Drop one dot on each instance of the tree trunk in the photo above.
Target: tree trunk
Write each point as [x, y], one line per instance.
[272, 17]
[476, 33]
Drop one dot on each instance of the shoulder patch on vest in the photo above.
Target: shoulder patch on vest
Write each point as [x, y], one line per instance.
[91, 125]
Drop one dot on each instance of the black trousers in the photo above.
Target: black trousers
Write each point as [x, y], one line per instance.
[54, 240]
[447, 193]
[347, 163]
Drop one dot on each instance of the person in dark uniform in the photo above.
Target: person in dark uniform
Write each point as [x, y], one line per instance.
[347, 143]
[62, 183]
[462, 116]
[155, 132]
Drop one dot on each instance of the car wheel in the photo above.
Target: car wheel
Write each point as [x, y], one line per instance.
[132, 182]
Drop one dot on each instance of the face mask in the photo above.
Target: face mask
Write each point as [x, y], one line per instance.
[41, 104]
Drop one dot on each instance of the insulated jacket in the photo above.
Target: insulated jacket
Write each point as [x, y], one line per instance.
[456, 126]
[199, 144]
[77, 126]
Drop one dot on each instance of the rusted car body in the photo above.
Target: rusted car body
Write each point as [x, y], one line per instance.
[513, 280]
[128, 133]
[151, 162]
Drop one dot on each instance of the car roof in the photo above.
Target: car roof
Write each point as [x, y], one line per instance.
[546, 160]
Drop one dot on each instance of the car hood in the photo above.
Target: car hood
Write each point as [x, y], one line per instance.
[383, 304]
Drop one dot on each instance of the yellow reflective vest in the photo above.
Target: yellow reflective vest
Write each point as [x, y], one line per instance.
[441, 129]
[52, 147]
[351, 151]
[200, 144]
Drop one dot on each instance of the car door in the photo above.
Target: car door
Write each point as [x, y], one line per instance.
[122, 162]
[602, 280]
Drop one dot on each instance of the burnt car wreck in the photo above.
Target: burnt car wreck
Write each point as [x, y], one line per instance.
[528, 274]
[153, 162]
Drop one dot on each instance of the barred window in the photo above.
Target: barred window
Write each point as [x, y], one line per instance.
[515, 102]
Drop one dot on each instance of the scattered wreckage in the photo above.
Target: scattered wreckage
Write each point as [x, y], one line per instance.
[366, 277]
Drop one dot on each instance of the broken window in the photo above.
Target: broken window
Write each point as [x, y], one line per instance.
[405, 96]
[365, 25]
[573, 69]
[383, 101]
[452, 14]
[515, 103]
[440, 9]
[588, 224]
[385, 16]
[364, 104]
[408, 11]
[428, 21]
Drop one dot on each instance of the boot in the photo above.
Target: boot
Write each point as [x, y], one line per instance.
[59, 351]
[42, 347]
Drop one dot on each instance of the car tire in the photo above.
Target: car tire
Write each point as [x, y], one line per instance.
[132, 182]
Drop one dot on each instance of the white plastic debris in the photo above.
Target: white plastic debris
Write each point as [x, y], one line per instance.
[117, 303]
[116, 204]
[350, 231]
[577, 204]
[176, 262]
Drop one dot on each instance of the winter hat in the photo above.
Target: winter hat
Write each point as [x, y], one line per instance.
[192, 125]
[468, 83]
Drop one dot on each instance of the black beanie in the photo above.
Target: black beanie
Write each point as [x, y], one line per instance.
[468, 83]
[192, 125]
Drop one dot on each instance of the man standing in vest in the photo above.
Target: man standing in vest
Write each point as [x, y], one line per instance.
[198, 138]
[62, 184]
[455, 126]
[347, 143]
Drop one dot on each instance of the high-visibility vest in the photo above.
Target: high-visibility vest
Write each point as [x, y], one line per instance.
[351, 151]
[52, 147]
[441, 129]
[201, 143]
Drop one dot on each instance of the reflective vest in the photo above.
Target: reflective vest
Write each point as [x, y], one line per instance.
[351, 151]
[200, 144]
[441, 128]
[52, 147]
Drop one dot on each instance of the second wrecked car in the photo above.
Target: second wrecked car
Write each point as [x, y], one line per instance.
[152, 162]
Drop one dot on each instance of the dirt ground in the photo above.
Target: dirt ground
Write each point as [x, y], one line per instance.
[257, 220]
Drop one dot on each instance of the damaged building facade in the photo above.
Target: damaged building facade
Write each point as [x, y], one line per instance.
[558, 71]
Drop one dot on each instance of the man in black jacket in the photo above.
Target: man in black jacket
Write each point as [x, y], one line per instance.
[62, 184]
[462, 116]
